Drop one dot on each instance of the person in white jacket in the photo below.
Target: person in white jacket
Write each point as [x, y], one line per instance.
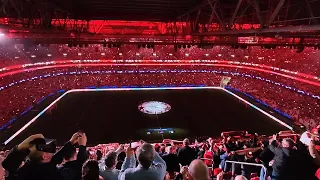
[151, 166]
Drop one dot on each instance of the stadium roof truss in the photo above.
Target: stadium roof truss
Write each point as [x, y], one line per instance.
[161, 21]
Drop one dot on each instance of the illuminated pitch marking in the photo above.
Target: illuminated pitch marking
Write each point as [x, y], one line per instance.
[260, 110]
[154, 107]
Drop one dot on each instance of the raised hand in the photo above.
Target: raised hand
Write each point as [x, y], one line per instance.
[185, 172]
[26, 143]
[75, 138]
[129, 152]
[120, 148]
[82, 141]
[275, 137]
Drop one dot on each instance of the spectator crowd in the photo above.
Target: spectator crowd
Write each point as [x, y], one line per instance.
[281, 57]
[285, 155]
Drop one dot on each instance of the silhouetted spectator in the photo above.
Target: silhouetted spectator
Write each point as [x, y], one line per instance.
[172, 161]
[71, 169]
[42, 161]
[186, 154]
[284, 159]
[90, 170]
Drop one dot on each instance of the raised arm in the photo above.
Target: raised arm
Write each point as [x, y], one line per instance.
[120, 149]
[129, 161]
[58, 157]
[82, 154]
[273, 145]
[160, 164]
[14, 159]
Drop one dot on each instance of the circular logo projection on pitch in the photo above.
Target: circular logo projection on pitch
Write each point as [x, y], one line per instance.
[154, 107]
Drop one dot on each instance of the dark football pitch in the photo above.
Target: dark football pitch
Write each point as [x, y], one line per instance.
[113, 116]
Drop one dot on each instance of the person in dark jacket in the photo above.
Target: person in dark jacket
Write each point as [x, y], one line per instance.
[285, 157]
[265, 157]
[231, 145]
[247, 170]
[172, 161]
[40, 164]
[186, 154]
[71, 169]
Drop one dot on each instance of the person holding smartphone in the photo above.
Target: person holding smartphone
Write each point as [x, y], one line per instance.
[151, 165]
[72, 167]
[41, 158]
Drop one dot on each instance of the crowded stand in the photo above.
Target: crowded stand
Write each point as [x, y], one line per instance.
[235, 155]
[13, 55]
[281, 57]
[299, 107]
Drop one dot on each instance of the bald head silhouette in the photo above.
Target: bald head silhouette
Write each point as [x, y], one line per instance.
[198, 170]
[240, 177]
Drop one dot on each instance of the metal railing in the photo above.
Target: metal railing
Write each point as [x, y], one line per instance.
[244, 163]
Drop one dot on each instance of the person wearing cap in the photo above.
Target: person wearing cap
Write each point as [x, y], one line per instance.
[73, 161]
[186, 154]
[151, 165]
[41, 161]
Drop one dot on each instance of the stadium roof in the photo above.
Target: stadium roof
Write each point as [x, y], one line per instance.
[157, 10]
[167, 10]
[174, 21]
